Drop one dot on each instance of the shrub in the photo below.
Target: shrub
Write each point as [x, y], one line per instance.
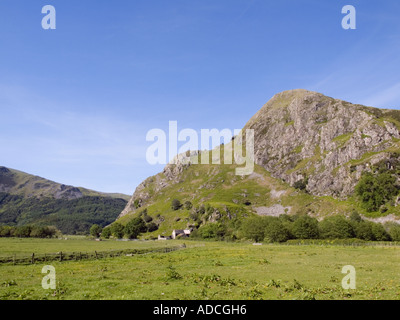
[147, 218]
[305, 227]
[336, 227]
[355, 217]
[151, 227]
[301, 184]
[176, 204]
[188, 205]
[136, 203]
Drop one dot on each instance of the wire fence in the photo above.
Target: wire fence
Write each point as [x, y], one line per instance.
[77, 256]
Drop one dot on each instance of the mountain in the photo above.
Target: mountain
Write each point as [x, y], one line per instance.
[303, 135]
[27, 199]
[310, 153]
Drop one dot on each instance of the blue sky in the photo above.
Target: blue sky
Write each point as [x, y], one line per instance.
[76, 102]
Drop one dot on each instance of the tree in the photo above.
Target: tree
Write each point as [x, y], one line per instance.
[95, 230]
[363, 231]
[375, 190]
[276, 231]
[212, 231]
[254, 228]
[106, 234]
[23, 232]
[117, 230]
[336, 227]
[134, 228]
[305, 227]
[394, 231]
[176, 204]
[379, 232]
[42, 232]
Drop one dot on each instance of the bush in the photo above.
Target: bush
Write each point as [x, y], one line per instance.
[276, 231]
[336, 227]
[151, 227]
[176, 204]
[301, 184]
[147, 218]
[305, 227]
[188, 205]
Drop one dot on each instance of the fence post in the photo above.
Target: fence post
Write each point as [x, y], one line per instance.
[33, 258]
[61, 256]
[95, 253]
[14, 259]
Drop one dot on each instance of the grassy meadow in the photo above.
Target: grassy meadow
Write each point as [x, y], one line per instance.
[204, 270]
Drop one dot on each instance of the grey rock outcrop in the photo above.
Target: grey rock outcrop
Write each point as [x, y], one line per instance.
[304, 135]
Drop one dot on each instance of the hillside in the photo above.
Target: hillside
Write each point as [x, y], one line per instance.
[27, 199]
[310, 153]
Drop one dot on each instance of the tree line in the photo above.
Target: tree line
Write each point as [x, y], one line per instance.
[287, 227]
[28, 232]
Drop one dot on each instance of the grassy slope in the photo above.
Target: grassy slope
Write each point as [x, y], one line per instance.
[210, 270]
[218, 186]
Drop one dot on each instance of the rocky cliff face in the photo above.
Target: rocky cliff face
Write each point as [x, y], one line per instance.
[324, 142]
[305, 137]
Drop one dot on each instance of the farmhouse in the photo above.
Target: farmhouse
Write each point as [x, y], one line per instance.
[181, 233]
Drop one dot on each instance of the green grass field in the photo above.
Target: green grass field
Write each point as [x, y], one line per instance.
[204, 270]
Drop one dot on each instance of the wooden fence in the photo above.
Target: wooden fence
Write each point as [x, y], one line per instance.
[77, 256]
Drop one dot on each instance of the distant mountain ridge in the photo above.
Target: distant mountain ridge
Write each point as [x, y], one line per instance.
[28, 199]
[20, 183]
